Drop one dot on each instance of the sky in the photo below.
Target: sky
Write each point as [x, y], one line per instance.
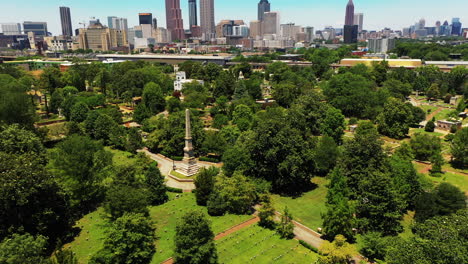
[378, 14]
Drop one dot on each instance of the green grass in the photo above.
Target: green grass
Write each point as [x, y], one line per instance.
[443, 114]
[429, 107]
[91, 238]
[461, 181]
[121, 158]
[167, 215]
[308, 208]
[258, 245]
[406, 223]
[422, 131]
[181, 176]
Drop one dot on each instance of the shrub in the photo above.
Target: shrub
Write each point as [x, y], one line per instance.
[309, 246]
[213, 160]
[176, 158]
[174, 190]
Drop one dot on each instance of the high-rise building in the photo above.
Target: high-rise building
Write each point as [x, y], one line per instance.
[65, 19]
[109, 21]
[350, 30]
[456, 27]
[349, 18]
[145, 18]
[241, 31]
[94, 21]
[263, 6]
[271, 23]
[310, 34]
[193, 17]
[382, 45]
[98, 37]
[290, 30]
[38, 28]
[438, 25]
[119, 23]
[445, 29]
[174, 21]
[359, 20]
[11, 29]
[256, 29]
[207, 21]
[155, 23]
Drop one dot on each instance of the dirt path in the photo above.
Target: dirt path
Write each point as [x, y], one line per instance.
[431, 115]
[226, 233]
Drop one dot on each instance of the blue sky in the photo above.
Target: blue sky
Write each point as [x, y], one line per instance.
[317, 13]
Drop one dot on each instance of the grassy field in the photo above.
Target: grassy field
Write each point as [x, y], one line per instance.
[121, 158]
[428, 108]
[308, 208]
[422, 131]
[91, 238]
[181, 176]
[258, 245]
[167, 215]
[459, 180]
[443, 114]
[94, 225]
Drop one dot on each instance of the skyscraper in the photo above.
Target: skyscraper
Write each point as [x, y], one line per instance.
[193, 18]
[11, 28]
[359, 20]
[263, 6]
[174, 21]
[271, 23]
[207, 21]
[146, 18]
[456, 26]
[38, 28]
[350, 30]
[65, 19]
[109, 21]
[349, 19]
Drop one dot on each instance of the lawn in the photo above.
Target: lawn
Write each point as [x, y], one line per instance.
[258, 245]
[422, 131]
[91, 238]
[308, 208]
[443, 114]
[167, 215]
[94, 226]
[459, 180]
[426, 108]
[121, 158]
[181, 176]
[407, 221]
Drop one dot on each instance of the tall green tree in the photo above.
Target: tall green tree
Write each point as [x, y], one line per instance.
[194, 240]
[425, 146]
[79, 112]
[20, 249]
[204, 182]
[16, 106]
[395, 119]
[326, 154]
[156, 187]
[333, 125]
[459, 149]
[153, 98]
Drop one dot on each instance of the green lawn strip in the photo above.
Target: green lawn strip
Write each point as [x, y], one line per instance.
[442, 115]
[407, 222]
[121, 158]
[91, 238]
[258, 245]
[181, 176]
[167, 215]
[308, 208]
[426, 108]
[422, 131]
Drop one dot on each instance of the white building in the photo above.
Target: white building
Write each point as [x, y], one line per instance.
[359, 20]
[290, 30]
[241, 31]
[181, 80]
[11, 29]
[162, 35]
[310, 34]
[143, 43]
[58, 43]
[382, 45]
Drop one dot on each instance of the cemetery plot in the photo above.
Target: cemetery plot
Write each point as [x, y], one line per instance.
[167, 215]
[255, 244]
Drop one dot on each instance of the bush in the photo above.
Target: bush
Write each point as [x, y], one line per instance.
[174, 190]
[453, 129]
[213, 160]
[309, 246]
[430, 126]
[176, 158]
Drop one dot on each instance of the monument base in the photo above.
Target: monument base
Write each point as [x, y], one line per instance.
[189, 167]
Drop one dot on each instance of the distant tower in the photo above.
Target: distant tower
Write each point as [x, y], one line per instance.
[359, 20]
[193, 17]
[263, 6]
[65, 19]
[207, 20]
[349, 19]
[174, 21]
[189, 165]
[145, 18]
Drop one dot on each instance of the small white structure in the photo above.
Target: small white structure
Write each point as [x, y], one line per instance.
[181, 80]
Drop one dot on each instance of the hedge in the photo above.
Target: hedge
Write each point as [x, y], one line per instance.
[174, 190]
[308, 246]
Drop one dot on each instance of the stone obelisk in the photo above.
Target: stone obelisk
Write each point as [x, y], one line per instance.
[189, 165]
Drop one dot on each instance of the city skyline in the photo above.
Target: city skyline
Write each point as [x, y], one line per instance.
[306, 13]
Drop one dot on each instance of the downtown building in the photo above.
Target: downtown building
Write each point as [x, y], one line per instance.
[263, 7]
[37, 28]
[100, 38]
[207, 19]
[174, 21]
[350, 31]
[65, 20]
[382, 45]
[9, 29]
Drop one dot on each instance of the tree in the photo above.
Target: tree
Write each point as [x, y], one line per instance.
[156, 187]
[459, 149]
[56, 100]
[194, 240]
[236, 192]
[30, 199]
[15, 106]
[405, 179]
[395, 119]
[425, 146]
[242, 117]
[15, 140]
[449, 199]
[20, 249]
[122, 198]
[286, 93]
[224, 85]
[79, 112]
[134, 141]
[433, 93]
[337, 252]
[80, 165]
[286, 228]
[339, 219]
[130, 240]
[397, 88]
[333, 125]
[326, 155]
[106, 129]
[173, 104]
[153, 98]
[241, 91]
[64, 257]
[266, 213]
[374, 246]
[437, 162]
[379, 206]
[204, 183]
[141, 113]
[430, 126]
